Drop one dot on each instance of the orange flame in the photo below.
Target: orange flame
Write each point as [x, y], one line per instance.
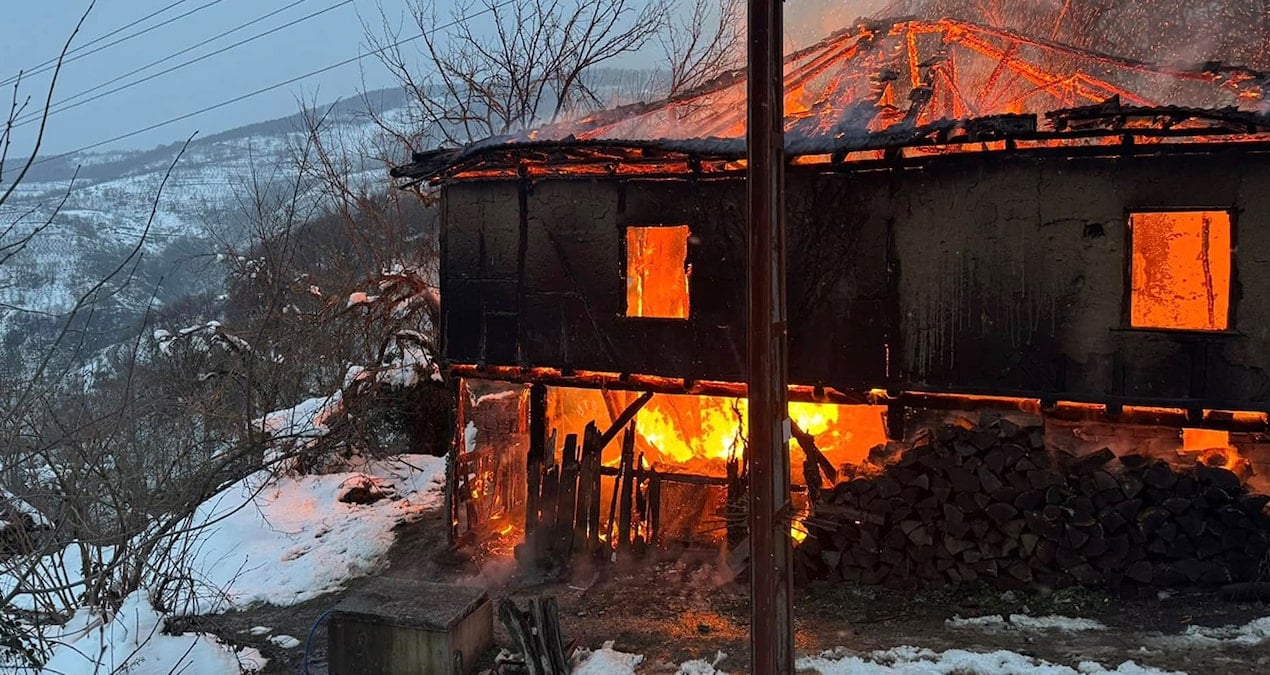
[700, 433]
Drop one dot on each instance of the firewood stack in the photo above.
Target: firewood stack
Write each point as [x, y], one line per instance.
[993, 505]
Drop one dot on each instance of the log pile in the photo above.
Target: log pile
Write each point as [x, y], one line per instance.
[993, 505]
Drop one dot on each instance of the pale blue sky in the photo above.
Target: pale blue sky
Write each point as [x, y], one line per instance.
[32, 31]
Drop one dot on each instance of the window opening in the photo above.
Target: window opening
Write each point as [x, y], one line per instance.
[1181, 270]
[657, 272]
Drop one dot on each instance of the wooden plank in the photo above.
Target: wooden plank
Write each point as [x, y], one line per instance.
[624, 418]
[568, 498]
[593, 457]
[546, 619]
[519, 626]
[547, 507]
[588, 481]
[654, 508]
[808, 443]
[626, 486]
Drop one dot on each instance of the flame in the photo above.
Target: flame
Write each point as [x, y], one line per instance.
[1214, 449]
[657, 272]
[1181, 270]
[700, 433]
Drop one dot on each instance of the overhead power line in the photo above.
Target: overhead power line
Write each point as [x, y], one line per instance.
[65, 104]
[79, 54]
[279, 85]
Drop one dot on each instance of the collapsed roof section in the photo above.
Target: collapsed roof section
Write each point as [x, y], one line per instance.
[901, 82]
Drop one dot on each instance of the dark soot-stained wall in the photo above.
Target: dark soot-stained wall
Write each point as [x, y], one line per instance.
[989, 272]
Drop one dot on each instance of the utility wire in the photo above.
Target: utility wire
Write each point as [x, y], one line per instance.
[65, 104]
[279, 85]
[49, 65]
[86, 45]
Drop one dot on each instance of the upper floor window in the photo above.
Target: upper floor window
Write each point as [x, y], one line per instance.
[1181, 270]
[657, 271]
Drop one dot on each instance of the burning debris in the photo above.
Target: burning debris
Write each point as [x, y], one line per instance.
[993, 504]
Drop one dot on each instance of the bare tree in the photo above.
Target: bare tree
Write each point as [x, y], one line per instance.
[703, 44]
[518, 64]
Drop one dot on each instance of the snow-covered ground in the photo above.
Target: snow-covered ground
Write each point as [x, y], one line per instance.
[279, 541]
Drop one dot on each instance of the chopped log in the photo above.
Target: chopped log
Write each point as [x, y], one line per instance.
[1089, 463]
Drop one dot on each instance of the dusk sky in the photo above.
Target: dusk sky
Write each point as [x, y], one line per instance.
[33, 32]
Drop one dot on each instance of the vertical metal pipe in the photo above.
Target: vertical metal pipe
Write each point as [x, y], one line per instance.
[771, 628]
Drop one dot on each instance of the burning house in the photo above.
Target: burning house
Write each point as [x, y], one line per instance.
[1029, 286]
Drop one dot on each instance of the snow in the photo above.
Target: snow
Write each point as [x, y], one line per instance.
[260, 630]
[291, 539]
[605, 661]
[280, 541]
[701, 666]
[897, 661]
[916, 661]
[1250, 634]
[132, 641]
[285, 641]
[1027, 623]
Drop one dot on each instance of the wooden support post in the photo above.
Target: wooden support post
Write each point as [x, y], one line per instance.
[458, 392]
[535, 456]
[771, 571]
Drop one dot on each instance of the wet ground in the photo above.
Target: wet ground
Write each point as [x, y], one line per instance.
[674, 611]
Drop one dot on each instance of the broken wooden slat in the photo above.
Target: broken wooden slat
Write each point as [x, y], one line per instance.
[548, 507]
[627, 486]
[567, 500]
[654, 508]
[593, 454]
[518, 626]
[547, 622]
[586, 484]
[808, 443]
[624, 418]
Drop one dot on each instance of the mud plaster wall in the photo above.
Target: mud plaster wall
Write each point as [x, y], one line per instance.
[994, 273]
[1014, 276]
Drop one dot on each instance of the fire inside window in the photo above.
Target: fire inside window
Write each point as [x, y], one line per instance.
[657, 272]
[1181, 270]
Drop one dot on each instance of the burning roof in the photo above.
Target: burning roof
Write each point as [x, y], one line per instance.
[886, 83]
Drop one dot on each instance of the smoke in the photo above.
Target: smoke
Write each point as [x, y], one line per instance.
[1161, 31]
[809, 21]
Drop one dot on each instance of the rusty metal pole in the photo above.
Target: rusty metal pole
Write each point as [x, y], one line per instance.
[771, 626]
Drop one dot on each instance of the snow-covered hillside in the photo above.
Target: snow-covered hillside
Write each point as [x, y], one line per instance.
[111, 194]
